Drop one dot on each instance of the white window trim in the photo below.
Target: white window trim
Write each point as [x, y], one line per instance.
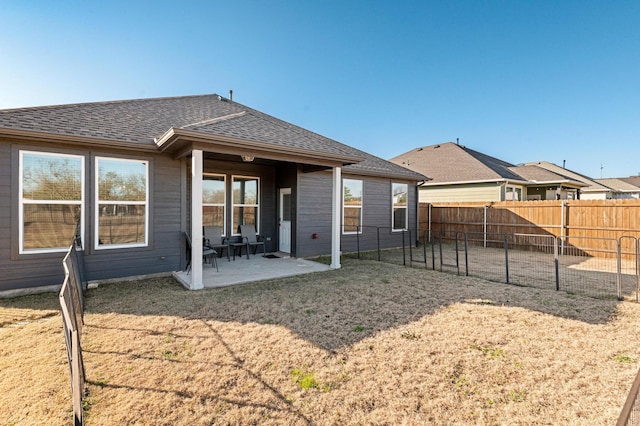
[393, 206]
[353, 207]
[96, 218]
[233, 204]
[22, 202]
[224, 204]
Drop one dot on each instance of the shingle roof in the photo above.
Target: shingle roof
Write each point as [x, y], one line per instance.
[453, 163]
[535, 174]
[620, 184]
[592, 185]
[140, 121]
[450, 162]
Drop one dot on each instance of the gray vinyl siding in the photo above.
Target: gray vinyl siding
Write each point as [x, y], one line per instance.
[376, 216]
[314, 214]
[33, 270]
[163, 253]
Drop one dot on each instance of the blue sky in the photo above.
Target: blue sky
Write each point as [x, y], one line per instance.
[518, 80]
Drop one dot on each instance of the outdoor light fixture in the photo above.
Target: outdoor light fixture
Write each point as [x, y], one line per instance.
[247, 158]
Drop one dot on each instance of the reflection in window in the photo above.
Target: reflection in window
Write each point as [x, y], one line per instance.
[122, 202]
[351, 206]
[213, 201]
[399, 193]
[51, 201]
[246, 202]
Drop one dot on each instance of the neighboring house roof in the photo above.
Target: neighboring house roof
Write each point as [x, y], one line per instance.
[591, 185]
[620, 184]
[633, 180]
[451, 163]
[166, 123]
[540, 176]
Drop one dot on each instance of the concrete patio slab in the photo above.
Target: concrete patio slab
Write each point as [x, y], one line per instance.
[256, 268]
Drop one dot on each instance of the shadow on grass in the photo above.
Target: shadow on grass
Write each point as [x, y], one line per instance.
[338, 308]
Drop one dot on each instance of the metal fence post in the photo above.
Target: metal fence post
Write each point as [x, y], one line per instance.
[378, 236]
[506, 256]
[457, 254]
[433, 251]
[358, 230]
[619, 270]
[556, 263]
[440, 245]
[404, 252]
[466, 254]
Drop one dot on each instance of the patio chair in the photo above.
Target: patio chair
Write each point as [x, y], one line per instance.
[213, 238]
[251, 239]
[207, 253]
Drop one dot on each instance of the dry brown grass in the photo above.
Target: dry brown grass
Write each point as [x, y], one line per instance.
[372, 343]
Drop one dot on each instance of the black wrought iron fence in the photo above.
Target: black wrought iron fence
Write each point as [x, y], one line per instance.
[596, 267]
[72, 306]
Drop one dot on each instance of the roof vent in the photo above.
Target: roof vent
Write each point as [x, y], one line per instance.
[231, 95]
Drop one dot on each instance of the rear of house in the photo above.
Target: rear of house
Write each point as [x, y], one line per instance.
[130, 177]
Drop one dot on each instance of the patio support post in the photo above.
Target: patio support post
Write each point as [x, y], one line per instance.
[196, 219]
[335, 218]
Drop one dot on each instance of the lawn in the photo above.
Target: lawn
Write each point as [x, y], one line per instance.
[372, 343]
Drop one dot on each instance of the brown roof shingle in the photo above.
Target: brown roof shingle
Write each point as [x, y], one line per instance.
[140, 121]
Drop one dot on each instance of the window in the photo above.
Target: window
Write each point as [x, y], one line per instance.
[513, 193]
[399, 196]
[246, 202]
[214, 196]
[122, 194]
[351, 206]
[51, 191]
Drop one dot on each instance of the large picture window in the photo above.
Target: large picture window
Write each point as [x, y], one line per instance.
[122, 194]
[214, 196]
[399, 196]
[246, 202]
[351, 206]
[51, 188]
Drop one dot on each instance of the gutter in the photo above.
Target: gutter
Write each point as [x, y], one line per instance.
[37, 136]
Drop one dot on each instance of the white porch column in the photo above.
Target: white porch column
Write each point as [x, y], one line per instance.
[336, 217]
[196, 219]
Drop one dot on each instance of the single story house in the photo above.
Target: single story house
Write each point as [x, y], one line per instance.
[458, 173]
[130, 177]
[622, 188]
[591, 189]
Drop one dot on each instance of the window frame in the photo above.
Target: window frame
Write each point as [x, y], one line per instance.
[394, 207]
[234, 226]
[22, 201]
[96, 245]
[224, 203]
[344, 206]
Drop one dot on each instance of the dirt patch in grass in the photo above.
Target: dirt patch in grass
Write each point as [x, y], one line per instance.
[371, 343]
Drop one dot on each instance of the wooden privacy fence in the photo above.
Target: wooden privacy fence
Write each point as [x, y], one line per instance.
[72, 305]
[592, 219]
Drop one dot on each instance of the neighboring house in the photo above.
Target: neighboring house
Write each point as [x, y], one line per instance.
[458, 173]
[130, 177]
[591, 190]
[622, 188]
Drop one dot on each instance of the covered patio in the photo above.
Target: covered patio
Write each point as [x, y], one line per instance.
[256, 268]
